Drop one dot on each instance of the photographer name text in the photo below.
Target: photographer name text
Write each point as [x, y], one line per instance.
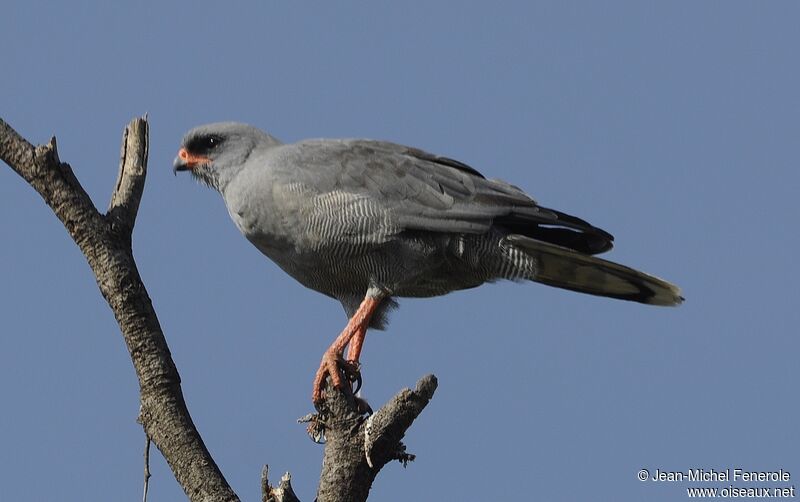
[735, 474]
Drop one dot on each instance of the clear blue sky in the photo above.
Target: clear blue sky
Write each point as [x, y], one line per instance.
[672, 125]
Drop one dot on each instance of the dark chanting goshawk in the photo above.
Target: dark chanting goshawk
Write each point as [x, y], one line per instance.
[367, 221]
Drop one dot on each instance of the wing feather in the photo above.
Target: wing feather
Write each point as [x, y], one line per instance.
[416, 190]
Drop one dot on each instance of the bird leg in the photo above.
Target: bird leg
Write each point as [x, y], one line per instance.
[353, 334]
[352, 368]
[356, 343]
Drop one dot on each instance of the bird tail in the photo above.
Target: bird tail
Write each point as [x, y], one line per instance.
[564, 268]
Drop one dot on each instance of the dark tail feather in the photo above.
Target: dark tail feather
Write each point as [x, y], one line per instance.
[555, 227]
[564, 268]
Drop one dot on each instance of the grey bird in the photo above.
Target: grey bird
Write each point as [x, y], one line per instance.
[366, 221]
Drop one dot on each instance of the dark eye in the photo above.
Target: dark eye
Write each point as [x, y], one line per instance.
[205, 143]
[212, 142]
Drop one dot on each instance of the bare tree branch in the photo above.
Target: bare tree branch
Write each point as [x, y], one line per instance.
[106, 243]
[281, 493]
[130, 180]
[346, 472]
[146, 467]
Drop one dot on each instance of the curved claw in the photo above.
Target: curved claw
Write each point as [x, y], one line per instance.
[352, 370]
[339, 370]
[329, 366]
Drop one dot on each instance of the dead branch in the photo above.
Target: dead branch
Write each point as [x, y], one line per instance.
[357, 446]
[105, 240]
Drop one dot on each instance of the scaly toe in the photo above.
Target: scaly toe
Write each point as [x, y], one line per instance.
[329, 367]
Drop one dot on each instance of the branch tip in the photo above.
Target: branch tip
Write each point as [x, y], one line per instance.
[52, 145]
[281, 493]
[135, 148]
[357, 447]
[426, 386]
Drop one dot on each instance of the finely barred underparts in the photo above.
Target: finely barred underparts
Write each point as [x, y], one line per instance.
[422, 264]
[517, 265]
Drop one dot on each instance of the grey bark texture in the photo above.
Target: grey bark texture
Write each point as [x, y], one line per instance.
[354, 453]
[105, 240]
[357, 446]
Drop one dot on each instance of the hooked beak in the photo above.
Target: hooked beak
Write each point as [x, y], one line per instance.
[185, 161]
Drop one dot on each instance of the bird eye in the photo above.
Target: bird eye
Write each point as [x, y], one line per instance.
[202, 144]
[213, 142]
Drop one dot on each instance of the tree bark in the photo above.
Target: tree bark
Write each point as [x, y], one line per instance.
[358, 446]
[105, 240]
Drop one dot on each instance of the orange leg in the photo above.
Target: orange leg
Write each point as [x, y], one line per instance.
[353, 334]
[356, 343]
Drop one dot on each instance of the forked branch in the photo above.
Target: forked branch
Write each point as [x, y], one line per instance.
[105, 241]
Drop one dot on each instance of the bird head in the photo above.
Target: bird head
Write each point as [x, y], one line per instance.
[214, 153]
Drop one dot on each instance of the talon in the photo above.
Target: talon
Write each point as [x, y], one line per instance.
[329, 367]
[352, 371]
[354, 375]
[339, 370]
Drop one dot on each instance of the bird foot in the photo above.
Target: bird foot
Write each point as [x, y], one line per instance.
[339, 371]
